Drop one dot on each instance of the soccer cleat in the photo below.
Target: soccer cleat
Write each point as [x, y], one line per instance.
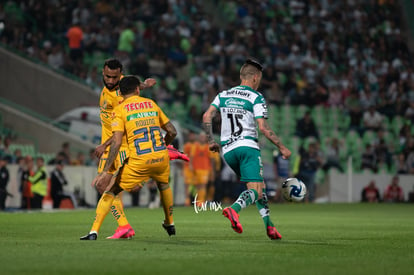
[175, 154]
[273, 234]
[124, 232]
[233, 217]
[89, 237]
[170, 228]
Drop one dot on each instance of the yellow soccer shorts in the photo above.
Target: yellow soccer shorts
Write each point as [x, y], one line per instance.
[201, 176]
[137, 172]
[119, 161]
[188, 176]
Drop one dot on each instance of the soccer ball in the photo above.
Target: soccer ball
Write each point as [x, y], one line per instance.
[293, 189]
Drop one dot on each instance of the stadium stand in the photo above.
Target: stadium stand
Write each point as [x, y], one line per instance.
[320, 53]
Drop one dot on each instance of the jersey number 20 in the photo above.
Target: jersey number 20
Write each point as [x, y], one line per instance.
[151, 132]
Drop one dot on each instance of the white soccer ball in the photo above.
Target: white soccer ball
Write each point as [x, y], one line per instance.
[293, 189]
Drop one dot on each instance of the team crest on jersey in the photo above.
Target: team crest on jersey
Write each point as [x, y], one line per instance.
[232, 102]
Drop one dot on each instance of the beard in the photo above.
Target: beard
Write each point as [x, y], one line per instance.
[110, 87]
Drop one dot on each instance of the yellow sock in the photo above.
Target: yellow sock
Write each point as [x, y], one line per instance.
[167, 203]
[202, 194]
[102, 209]
[117, 210]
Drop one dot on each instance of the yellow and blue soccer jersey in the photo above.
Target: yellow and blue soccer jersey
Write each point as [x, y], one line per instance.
[107, 102]
[140, 119]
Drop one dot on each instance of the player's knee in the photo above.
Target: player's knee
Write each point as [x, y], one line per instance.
[162, 186]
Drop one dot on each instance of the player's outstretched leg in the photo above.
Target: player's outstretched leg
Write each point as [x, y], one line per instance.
[246, 198]
[102, 209]
[124, 230]
[167, 205]
[262, 206]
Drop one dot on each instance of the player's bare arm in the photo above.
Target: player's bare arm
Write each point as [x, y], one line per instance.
[100, 149]
[171, 133]
[208, 128]
[102, 181]
[270, 135]
[148, 83]
[114, 149]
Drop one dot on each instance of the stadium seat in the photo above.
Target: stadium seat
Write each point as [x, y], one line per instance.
[300, 111]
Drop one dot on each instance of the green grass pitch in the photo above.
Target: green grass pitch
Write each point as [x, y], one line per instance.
[317, 239]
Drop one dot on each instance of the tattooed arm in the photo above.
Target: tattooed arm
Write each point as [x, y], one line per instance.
[171, 133]
[114, 149]
[100, 149]
[208, 128]
[270, 135]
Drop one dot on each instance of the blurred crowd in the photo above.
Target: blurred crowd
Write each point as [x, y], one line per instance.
[349, 56]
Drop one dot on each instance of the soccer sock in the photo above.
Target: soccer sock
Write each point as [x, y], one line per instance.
[262, 206]
[246, 198]
[102, 209]
[117, 210]
[167, 204]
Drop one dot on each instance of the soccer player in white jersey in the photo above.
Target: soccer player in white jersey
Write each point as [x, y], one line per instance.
[241, 108]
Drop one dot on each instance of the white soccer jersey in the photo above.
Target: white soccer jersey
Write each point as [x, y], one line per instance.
[239, 108]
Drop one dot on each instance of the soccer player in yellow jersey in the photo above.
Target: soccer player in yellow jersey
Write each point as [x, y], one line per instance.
[110, 98]
[141, 120]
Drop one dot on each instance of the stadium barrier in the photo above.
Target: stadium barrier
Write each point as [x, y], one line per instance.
[79, 183]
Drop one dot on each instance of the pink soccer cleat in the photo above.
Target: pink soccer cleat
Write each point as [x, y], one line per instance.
[273, 234]
[175, 154]
[233, 217]
[123, 232]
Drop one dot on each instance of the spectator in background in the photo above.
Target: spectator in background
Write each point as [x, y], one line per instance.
[39, 184]
[65, 153]
[92, 160]
[393, 192]
[281, 170]
[410, 161]
[354, 111]
[16, 155]
[55, 58]
[370, 193]
[59, 157]
[369, 159]
[75, 37]
[4, 180]
[308, 166]
[57, 181]
[404, 134]
[333, 156]
[80, 159]
[126, 44]
[305, 127]
[1, 146]
[6, 148]
[401, 164]
[26, 186]
[372, 119]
